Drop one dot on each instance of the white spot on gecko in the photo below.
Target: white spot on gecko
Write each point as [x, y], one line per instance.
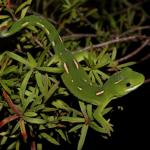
[53, 43]
[72, 81]
[60, 39]
[40, 25]
[24, 24]
[99, 93]
[84, 80]
[79, 88]
[46, 30]
[117, 81]
[66, 68]
[76, 64]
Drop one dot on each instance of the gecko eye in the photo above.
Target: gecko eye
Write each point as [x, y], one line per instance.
[128, 84]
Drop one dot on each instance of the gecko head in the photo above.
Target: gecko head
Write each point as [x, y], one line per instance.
[125, 81]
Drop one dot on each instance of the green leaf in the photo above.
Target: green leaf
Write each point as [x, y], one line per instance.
[97, 128]
[11, 146]
[102, 74]
[41, 58]
[24, 4]
[30, 114]
[10, 69]
[18, 58]
[82, 136]
[75, 128]
[89, 111]
[39, 80]
[24, 11]
[97, 77]
[24, 85]
[31, 60]
[39, 146]
[61, 105]
[15, 128]
[126, 64]
[50, 69]
[28, 100]
[51, 91]
[3, 140]
[17, 145]
[37, 108]
[72, 119]
[83, 108]
[49, 138]
[4, 16]
[5, 87]
[34, 120]
[61, 133]
[114, 53]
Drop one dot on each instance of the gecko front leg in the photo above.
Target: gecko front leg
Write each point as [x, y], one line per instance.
[102, 121]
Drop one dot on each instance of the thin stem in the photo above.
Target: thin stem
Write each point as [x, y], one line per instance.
[8, 119]
[135, 29]
[147, 81]
[11, 104]
[23, 129]
[78, 35]
[117, 40]
[133, 53]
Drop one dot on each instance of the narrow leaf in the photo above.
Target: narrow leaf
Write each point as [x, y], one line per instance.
[97, 128]
[34, 120]
[82, 136]
[61, 133]
[31, 60]
[49, 138]
[39, 81]
[75, 128]
[17, 58]
[72, 119]
[30, 114]
[24, 85]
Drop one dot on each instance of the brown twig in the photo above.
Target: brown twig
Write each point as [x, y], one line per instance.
[135, 29]
[144, 58]
[11, 104]
[8, 119]
[117, 40]
[147, 81]
[133, 53]
[23, 129]
[78, 35]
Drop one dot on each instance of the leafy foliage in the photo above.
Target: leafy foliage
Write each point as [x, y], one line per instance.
[35, 104]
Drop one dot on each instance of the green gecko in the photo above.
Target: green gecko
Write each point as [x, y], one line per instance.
[76, 79]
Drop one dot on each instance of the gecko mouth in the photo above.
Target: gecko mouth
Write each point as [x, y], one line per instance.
[132, 88]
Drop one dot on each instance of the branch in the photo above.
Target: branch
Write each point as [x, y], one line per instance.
[147, 81]
[78, 35]
[117, 40]
[139, 28]
[8, 119]
[11, 104]
[133, 53]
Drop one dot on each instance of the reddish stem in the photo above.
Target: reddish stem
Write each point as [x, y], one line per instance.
[33, 145]
[23, 129]
[11, 104]
[8, 4]
[8, 119]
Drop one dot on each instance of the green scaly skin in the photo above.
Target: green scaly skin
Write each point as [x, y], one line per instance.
[76, 79]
